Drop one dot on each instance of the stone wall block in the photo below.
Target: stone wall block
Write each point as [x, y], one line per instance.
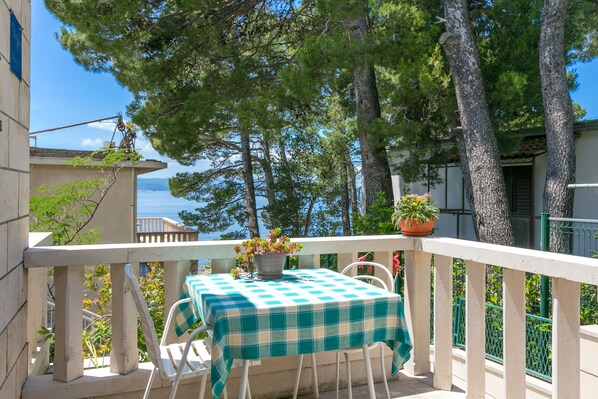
[17, 241]
[9, 389]
[9, 181]
[23, 194]
[9, 83]
[24, 99]
[4, 31]
[26, 23]
[3, 343]
[19, 144]
[3, 137]
[17, 336]
[3, 250]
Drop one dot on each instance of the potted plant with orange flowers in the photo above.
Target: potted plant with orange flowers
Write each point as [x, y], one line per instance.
[268, 254]
[415, 214]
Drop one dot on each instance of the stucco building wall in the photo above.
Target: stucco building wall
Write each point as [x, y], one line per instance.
[117, 214]
[14, 200]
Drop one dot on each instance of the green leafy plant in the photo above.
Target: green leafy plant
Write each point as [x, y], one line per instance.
[378, 220]
[273, 244]
[415, 208]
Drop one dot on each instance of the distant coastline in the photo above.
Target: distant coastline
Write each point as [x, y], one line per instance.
[152, 184]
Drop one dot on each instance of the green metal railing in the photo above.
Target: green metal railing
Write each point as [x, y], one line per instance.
[538, 337]
[581, 234]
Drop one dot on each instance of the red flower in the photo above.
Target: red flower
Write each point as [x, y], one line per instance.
[362, 259]
[396, 265]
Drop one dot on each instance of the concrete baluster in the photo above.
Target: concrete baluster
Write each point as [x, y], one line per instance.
[417, 309]
[475, 329]
[443, 322]
[565, 339]
[124, 357]
[68, 317]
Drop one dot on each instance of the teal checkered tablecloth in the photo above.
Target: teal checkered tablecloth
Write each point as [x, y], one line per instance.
[308, 310]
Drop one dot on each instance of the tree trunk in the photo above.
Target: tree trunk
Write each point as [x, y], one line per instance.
[269, 183]
[492, 215]
[250, 207]
[374, 159]
[468, 188]
[352, 186]
[345, 199]
[560, 170]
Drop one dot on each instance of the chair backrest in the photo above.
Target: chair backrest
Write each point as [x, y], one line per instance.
[147, 324]
[378, 270]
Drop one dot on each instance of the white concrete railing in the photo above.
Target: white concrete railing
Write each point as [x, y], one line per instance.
[567, 272]
[161, 229]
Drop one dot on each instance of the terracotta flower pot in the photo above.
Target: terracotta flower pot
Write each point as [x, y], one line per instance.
[269, 266]
[416, 229]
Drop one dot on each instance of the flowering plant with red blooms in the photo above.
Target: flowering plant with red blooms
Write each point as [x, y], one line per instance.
[274, 244]
[396, 265]
[362, 268]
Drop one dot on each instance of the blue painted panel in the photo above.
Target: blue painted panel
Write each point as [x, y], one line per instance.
[16, 42]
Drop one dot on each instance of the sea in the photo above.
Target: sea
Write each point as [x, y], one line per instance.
[161, 203]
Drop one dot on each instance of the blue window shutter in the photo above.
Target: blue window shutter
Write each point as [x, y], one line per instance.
[16, 41]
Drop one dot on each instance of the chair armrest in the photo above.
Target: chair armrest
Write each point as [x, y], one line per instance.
[190, 340]
[173, 308]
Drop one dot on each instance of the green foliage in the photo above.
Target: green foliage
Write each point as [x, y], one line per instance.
[379, 221]
[413, 207]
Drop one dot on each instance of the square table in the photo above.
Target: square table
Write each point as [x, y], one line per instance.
[306, 311]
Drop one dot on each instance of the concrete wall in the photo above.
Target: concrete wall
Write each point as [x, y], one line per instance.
[586, 199]
[116, 215]
[14, 202]
[586, 148]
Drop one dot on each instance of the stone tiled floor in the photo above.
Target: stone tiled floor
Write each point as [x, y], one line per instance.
[407, 387]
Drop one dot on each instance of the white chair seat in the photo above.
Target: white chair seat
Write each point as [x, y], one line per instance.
[178, 361]
[378, 268]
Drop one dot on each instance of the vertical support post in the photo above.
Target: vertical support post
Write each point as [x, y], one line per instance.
[443, 322]
[174, 278]
[68, 358]
[345, 259]
[124, 356]
[384, 258]
[417, 309]
[545, 246]
[514, 333]
[475, 329]
[223, 265]
[565, 339]
[309, 261]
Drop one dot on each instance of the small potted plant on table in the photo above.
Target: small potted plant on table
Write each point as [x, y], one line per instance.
[415, 214]
[268, 254]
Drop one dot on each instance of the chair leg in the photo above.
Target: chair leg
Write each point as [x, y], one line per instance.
[349, 385]
[202, 386]
[244, 380]
[338, 371]
[150, 383]
[224, 393]
[175, 386]
[368, 370]
[298, 377]
[383, 368]
[314, 374]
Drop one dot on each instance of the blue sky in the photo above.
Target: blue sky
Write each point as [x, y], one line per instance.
[63, 93]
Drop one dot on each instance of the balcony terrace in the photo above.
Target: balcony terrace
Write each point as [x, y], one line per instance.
[443, 366]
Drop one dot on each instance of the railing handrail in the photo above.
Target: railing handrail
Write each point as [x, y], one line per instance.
[567, 267]
[573, 220]
[80, 255]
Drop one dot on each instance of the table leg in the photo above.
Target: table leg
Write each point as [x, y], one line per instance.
[244, 379]
[368, 370]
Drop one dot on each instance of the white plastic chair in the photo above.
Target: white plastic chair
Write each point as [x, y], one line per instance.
[348, 270]
[193, 355]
